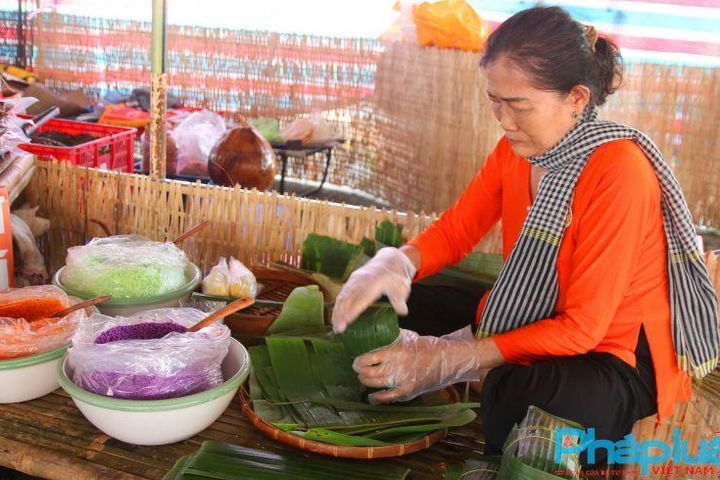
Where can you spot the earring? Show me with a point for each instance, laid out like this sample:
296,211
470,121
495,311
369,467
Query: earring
575,114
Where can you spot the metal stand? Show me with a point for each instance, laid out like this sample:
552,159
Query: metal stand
284,151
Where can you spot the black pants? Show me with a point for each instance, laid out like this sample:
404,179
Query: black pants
596,390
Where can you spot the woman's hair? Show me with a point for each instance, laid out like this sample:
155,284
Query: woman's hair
555,51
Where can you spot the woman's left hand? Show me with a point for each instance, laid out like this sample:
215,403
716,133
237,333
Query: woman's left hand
415,365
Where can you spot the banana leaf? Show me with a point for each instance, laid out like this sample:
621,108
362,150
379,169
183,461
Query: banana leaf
474,468
312,414
306,384
267,410
389,234
331,383
355,263
480,263
263,390
337,438
414,408
368,246
474,273
294,376
512,468
303,311
529,450
376,327
329,256
335,370
458,419
311,378
222,461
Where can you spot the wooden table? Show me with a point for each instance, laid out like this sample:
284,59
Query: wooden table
50,438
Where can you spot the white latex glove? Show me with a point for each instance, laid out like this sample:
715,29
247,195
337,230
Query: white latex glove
389,272
416,365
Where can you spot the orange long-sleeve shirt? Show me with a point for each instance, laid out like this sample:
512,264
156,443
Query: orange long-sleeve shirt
611,265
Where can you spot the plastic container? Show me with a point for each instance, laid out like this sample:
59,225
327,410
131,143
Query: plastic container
112,150
160,422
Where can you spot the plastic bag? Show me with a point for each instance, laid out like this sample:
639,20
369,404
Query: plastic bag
124,266
230,279
12,133
25,328
195,136
217,281
313,130
31,263
133,363
242,281
450,24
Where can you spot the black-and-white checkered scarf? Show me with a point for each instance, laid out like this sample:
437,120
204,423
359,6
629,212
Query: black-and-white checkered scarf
527,288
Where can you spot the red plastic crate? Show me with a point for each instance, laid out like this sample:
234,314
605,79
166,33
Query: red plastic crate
113,149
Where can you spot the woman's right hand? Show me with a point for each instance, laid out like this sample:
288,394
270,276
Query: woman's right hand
389,272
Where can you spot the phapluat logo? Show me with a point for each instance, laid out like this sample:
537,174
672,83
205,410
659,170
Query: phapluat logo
651,455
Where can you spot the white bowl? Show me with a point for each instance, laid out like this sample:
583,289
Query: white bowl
28,378
159,422
124,307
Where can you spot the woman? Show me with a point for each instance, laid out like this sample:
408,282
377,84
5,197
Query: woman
603,310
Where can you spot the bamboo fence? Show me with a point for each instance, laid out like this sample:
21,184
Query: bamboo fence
255,227
416,119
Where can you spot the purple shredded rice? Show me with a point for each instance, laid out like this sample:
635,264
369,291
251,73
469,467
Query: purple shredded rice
139,386
148,386
138,331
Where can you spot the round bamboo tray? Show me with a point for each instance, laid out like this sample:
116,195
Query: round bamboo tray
360,453
276,285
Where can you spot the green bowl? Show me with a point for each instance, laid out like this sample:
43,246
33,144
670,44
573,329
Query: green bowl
127,306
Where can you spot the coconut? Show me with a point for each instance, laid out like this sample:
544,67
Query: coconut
242,157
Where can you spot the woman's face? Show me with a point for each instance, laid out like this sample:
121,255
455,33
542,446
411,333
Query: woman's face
534,120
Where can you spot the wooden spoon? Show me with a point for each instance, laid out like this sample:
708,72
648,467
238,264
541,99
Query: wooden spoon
79,306
190,232
233,307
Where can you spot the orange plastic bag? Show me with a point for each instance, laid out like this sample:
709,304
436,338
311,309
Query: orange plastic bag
450,24
25,328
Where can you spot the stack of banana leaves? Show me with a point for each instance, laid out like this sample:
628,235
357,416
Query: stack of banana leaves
222,461
332,260
302,381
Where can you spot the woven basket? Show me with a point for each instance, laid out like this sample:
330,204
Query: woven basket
362,453
276,285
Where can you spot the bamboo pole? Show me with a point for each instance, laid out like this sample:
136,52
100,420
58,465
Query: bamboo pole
158,90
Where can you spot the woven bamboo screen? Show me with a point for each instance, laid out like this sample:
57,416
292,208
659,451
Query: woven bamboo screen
255,227
417,120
